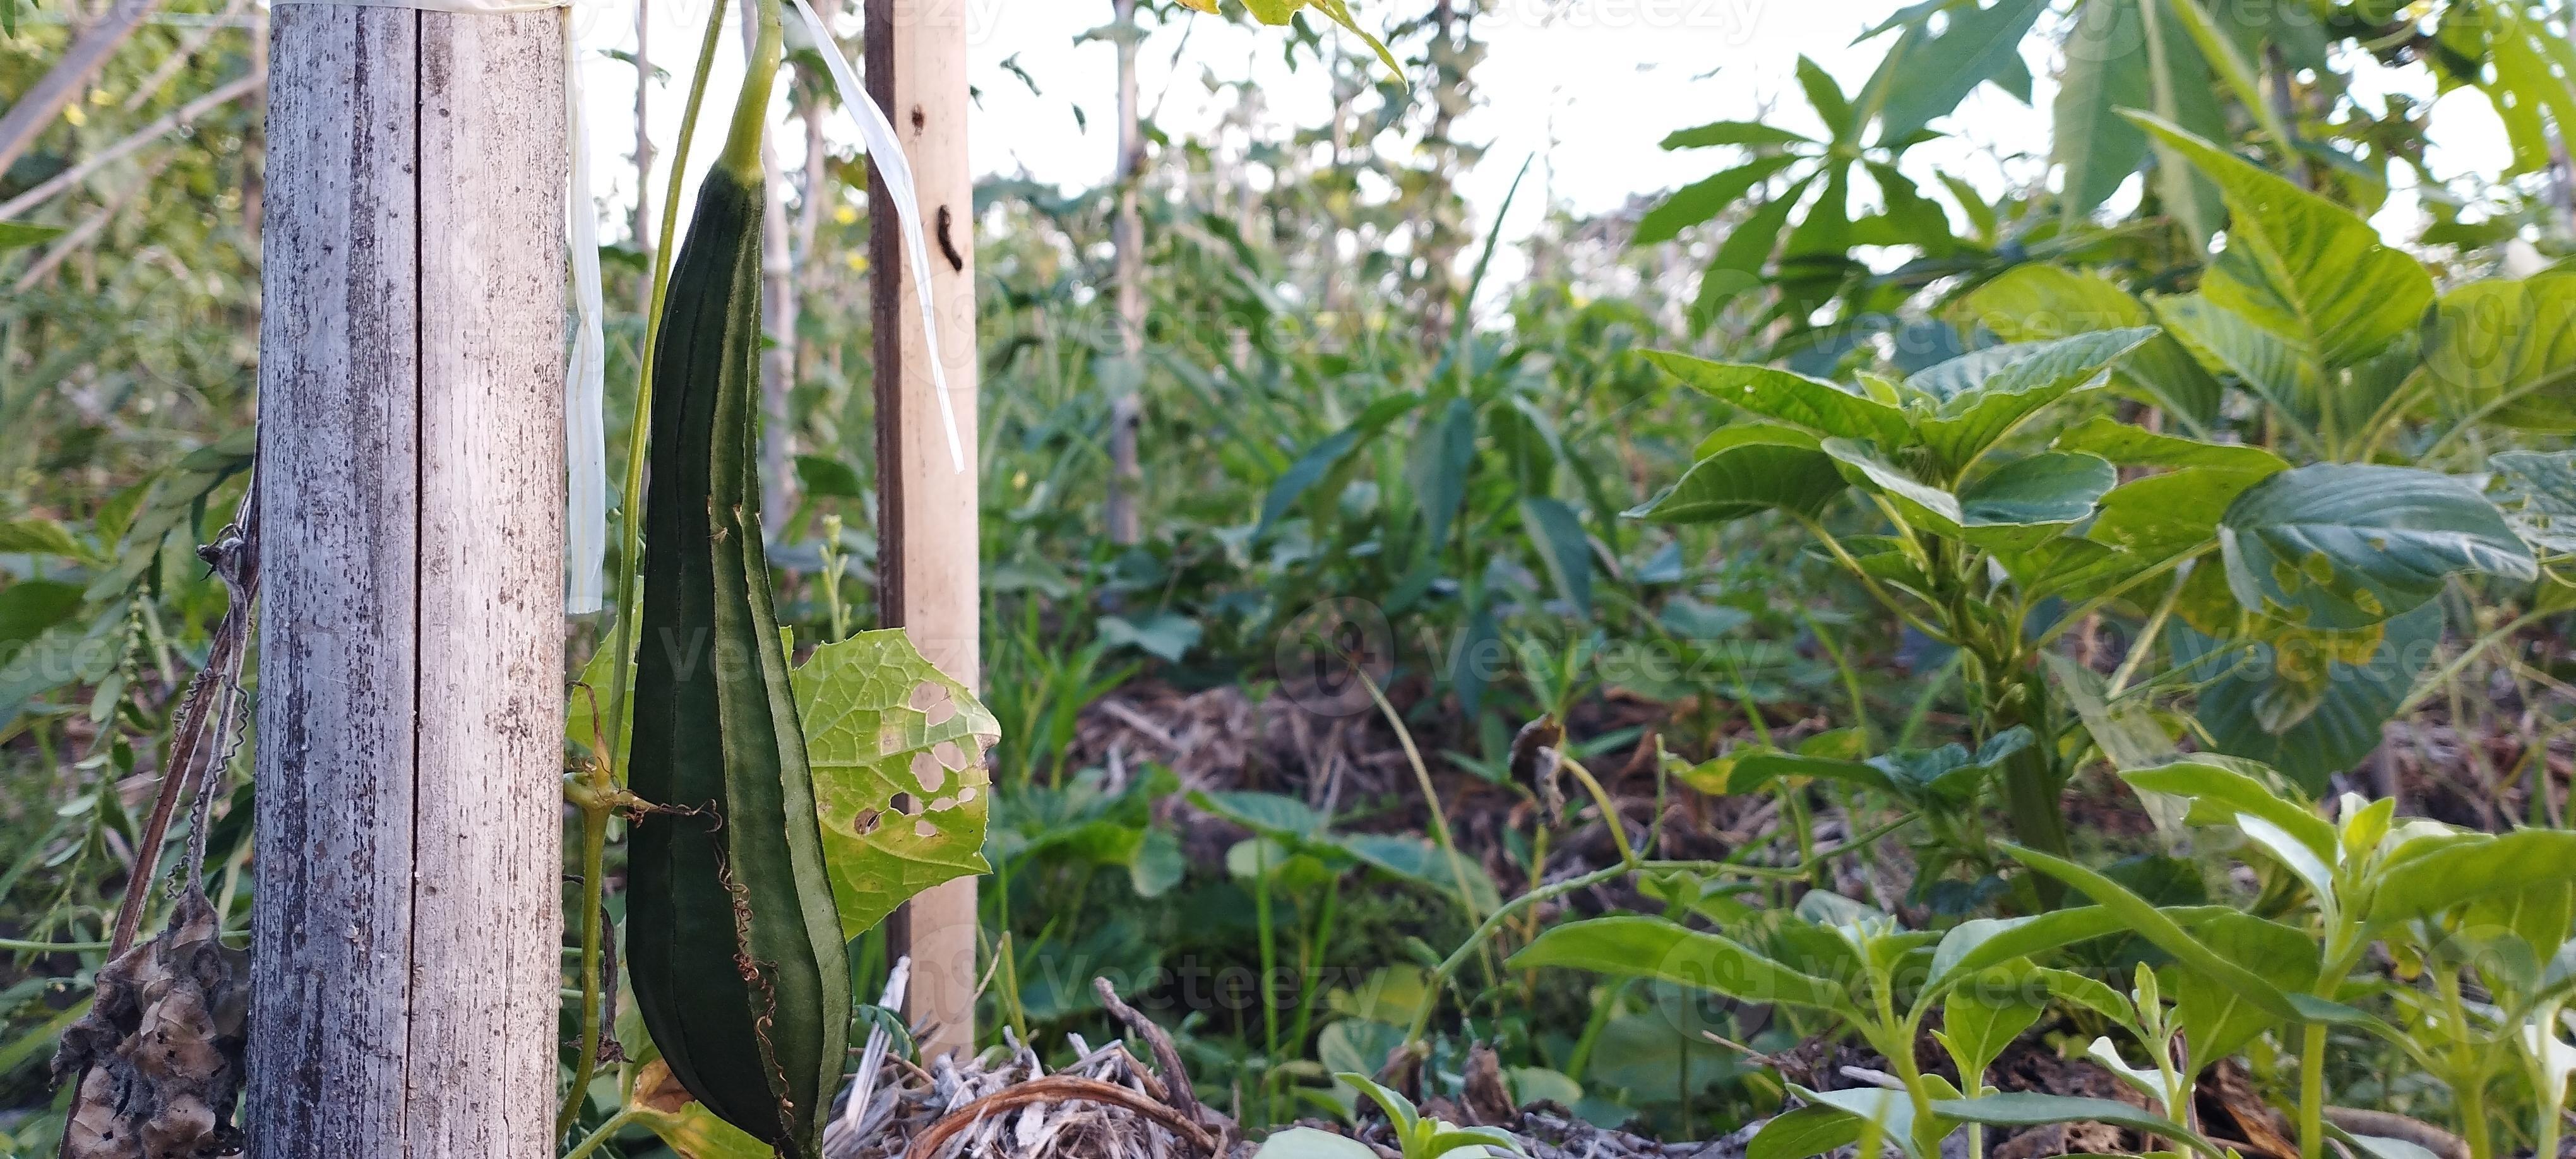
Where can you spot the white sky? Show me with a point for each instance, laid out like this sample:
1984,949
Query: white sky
1586,86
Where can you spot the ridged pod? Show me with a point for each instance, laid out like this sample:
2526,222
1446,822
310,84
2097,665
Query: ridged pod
733,944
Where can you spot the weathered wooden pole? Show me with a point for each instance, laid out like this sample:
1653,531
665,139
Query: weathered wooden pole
928,573
405,933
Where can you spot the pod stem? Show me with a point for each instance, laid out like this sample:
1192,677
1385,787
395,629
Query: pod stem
741,156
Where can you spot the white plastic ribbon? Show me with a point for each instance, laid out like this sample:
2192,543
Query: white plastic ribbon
877,138
586,377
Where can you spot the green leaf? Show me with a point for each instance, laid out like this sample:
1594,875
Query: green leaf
2322,278
2217,1018
1948,775
2031,303
1804,1132
37,536
2219,791
1698,202
1309,1143
1985,395
1984,943
823,475
2159,930
2508,349
2225,342
2464,872
1443,455
1748,769
1641,947
1893,1111
1270,814
1563,547
2034,1110
2106,70
1984,1015
2032,499
1732,133
2130,445
882,723
1976,45
1423,862
2343,546
2344,699
19,235
1319,460
1763,467
1740,260
29,607
1810,404
2091,994
2537,493
685,1125
1828,100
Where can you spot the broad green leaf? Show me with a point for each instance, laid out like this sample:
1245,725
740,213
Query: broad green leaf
2463,872
1893,1111
1828,100
2091,994
1438,467
2344,699
1763,468
1640,947
29,607
1270,814
1419,860
2217,1017
1985,1015
1309,1143
2033,1110
2344,546
1732,133
897,749
19,235
1557,532
2036,497
1983,943
2219,791
1984,396
2326,282
1810,404
2130,445
1705,199
2507,350
1319,459
2537,493
39,537
1948,774
2226,342
2031,303
1804,1132
2159,930
2127,732
1740,260
1935,72
2106,70
1750,768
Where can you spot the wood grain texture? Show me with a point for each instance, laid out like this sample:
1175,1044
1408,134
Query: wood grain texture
930,575
405,923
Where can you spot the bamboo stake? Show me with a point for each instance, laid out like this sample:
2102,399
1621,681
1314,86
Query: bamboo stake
928,574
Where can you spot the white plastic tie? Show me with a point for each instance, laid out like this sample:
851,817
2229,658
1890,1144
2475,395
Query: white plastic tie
877,138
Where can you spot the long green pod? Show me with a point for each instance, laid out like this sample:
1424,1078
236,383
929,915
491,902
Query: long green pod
735,950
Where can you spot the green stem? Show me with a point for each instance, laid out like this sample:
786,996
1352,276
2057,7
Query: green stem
1431,795
618,1121
2312,1092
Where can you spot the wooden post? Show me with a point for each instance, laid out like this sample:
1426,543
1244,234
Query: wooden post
928,572
407,917
1127,407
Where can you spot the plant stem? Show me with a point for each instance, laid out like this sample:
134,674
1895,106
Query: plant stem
618,1121
1431,795
2312,1092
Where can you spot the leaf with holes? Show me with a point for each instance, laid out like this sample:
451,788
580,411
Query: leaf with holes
899,773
